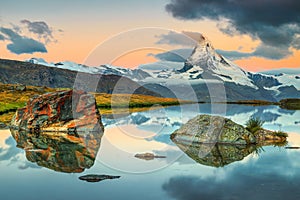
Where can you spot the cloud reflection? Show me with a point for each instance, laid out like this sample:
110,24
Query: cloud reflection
274,175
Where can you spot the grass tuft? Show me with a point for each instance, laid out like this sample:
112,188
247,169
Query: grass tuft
280,134
254,124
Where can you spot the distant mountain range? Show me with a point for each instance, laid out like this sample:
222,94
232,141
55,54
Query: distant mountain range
27,73
201,77
278,72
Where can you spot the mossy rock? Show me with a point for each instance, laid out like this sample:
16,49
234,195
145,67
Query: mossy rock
214,129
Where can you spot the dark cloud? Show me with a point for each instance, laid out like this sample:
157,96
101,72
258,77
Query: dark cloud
263,51
40,28
22,44
275,22
2,37
271,52
177,55
180,55
269,186
296,42
185,38
234,55
191,39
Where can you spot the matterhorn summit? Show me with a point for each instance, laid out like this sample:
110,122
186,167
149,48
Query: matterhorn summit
206,63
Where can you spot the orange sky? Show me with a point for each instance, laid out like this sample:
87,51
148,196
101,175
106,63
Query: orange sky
86,26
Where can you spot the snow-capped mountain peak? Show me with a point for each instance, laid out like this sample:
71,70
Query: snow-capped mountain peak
209,63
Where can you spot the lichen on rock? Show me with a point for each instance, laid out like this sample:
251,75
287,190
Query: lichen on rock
62,111
214,129
217,141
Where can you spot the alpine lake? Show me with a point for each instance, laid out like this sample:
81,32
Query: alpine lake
264,172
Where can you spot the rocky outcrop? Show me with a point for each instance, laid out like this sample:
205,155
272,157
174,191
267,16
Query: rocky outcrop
213,129
61,131
26,73
97,178
217,141
147,156
66,111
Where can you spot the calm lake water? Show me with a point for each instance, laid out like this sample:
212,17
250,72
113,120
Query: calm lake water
270,173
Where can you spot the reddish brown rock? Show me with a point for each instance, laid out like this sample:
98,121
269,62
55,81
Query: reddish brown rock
60,111
61,131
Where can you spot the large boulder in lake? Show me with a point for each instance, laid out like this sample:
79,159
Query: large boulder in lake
209,129
217,141
61,131
65,111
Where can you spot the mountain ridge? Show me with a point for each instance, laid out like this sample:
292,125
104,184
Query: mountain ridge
204,71
18,72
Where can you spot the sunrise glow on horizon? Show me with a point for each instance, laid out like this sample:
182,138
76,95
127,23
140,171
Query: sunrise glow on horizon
73,30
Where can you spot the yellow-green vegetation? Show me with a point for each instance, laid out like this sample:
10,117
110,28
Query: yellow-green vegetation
8,107
13,97
253,102
16,96
121,111
280,134
290,104
6,118
132,101
254,124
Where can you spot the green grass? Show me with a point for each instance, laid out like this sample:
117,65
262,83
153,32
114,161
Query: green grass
12,99
10,107
108,101
254,124
280,134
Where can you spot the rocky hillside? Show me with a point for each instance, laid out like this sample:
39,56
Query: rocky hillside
17,72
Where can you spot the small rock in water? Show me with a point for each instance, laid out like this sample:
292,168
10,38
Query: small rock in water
97,178
147,156
292,147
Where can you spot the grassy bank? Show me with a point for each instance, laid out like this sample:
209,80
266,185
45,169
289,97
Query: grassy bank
253,102
290,104
132,101
16,96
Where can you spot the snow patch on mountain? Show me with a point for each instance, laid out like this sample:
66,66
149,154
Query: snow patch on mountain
135,74
288,80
